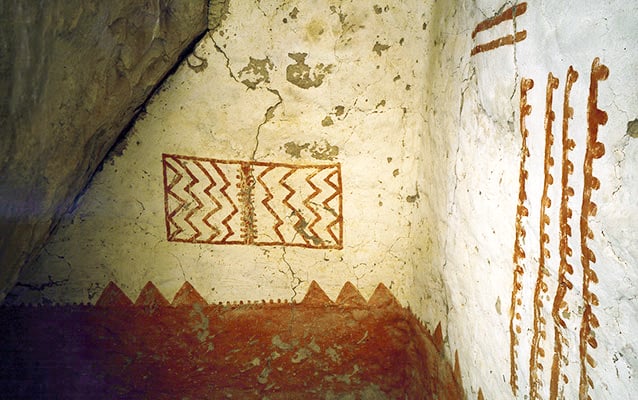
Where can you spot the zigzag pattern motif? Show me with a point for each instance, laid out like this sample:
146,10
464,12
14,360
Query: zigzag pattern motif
259,203
197,210
151,297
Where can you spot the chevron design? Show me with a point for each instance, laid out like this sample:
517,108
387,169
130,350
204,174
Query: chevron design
239,202
151,297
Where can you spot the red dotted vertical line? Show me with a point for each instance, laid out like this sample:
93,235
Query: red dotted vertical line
246,186
595,149
539,333
519,253
560,307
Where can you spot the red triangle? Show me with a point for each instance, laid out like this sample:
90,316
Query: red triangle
350,296
382,297
437,339
315,295
187,295
151,296
457,368
113,296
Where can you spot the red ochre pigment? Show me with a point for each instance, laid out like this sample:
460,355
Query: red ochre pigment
188,349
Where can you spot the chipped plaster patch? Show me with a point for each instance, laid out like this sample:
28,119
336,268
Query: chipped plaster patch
301,75
327,121
280,344
256,72
318,150
379,48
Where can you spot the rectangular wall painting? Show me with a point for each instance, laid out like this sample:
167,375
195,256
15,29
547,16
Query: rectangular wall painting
210,201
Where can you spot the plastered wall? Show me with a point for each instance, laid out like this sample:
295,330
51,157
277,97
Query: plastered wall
281,151
537,104
396,143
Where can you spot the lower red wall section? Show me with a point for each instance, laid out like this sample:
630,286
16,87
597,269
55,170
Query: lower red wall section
188,349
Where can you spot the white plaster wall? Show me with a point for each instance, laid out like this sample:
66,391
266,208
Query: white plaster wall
367,62
475,101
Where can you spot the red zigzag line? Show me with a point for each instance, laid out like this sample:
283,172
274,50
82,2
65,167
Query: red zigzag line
182,202
235,209
213,199
194,181
292,191
266,204
307,203
327,206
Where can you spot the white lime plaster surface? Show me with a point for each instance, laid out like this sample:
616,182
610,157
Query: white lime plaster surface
473,142
235,99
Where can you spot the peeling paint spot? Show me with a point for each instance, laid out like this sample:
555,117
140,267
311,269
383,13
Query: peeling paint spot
300,355
378,9
263,376
395,173
293,14
256,72
301,75
632,128
345,378
498,305
201,328
319,151
413,198
379,48
314,346
334,356
339,110
327,121
381,104
280,344
294,149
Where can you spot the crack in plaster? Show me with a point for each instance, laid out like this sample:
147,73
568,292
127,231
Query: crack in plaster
50,283
42,286
295,281
179,263
268,115
223,53
270,111
611,248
